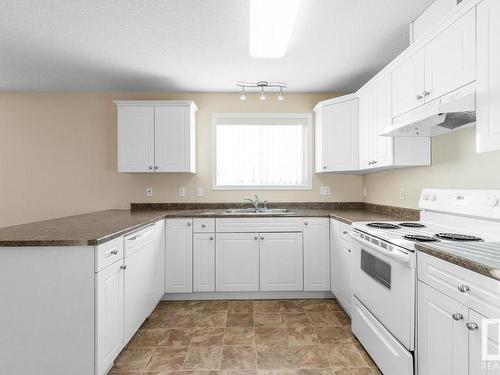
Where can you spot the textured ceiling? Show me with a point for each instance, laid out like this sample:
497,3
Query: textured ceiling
193,45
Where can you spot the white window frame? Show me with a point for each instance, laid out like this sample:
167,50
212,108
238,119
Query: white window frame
307,117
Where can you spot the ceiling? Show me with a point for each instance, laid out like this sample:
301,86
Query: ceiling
193,45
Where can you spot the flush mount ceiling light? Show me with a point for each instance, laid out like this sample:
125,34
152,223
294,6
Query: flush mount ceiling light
271,23
262,85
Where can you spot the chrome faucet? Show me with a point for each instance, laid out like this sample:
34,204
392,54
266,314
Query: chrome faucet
255,202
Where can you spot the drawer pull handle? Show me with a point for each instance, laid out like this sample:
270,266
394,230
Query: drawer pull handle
463,288
457,316
123,267
345,233
471,326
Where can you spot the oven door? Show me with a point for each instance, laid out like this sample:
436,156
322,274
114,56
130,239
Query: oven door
383,280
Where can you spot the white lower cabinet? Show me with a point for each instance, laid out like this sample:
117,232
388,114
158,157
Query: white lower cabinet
281,262
109,316
204,262
179,256
316,254
340,248
159,270
477,365
442,340
237,262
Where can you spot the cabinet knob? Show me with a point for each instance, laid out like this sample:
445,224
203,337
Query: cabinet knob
345,232
123,267
256,238
150,167
375,162
211,238
306,223
457,316
463,288
324,166
426,93
156,167
114,252
419,97
203,225
471,326
189,223
262,238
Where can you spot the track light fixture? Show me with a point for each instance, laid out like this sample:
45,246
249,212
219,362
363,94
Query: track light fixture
262,85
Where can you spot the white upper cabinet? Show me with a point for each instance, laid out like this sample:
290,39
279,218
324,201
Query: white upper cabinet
488,77
445,64
377,152
336,127
450,58
408,84
136,126
156,136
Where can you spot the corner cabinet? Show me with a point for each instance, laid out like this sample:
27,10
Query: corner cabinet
376,152
156,136
336,128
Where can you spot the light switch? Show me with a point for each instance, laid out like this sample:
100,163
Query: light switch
200,191
324,190
402,193
149,192
365,192
182,192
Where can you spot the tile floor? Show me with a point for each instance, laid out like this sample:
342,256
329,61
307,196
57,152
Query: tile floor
265,337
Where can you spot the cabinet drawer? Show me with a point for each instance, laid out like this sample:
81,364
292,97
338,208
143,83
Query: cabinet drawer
479,293
265,224
204,225
108,253
345,232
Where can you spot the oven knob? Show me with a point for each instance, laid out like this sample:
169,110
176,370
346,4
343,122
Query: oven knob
432,197
492,201
425,197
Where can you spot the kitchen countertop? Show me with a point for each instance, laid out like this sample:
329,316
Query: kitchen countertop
480,257
99,227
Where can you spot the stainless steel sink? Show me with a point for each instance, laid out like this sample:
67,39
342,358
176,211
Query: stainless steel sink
258,211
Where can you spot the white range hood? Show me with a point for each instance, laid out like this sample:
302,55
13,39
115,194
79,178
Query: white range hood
437,117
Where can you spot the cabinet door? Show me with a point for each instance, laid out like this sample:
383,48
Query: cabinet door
281,262
450,58
382,119
316,254
109,316
490,346
334,244
173,139
488,76
179,256
340,136
159,270
408,84
237,262
366,119
442,340
204,262
135,138
343,274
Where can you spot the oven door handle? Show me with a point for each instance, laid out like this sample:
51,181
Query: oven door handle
397,256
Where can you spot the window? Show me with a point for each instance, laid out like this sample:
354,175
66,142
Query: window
262,151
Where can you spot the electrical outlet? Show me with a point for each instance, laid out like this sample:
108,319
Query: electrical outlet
324,190
200,191
365,192
182,192
149,192
402,193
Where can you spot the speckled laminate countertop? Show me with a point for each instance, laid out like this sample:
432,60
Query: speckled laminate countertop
480,257
99,227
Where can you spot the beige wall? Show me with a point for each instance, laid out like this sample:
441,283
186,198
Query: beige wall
58,155
455,164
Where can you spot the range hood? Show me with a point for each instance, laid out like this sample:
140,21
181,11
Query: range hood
440,116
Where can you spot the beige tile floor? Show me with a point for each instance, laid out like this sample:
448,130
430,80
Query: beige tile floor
290,337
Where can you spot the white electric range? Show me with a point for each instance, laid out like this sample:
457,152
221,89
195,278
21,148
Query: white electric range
383,262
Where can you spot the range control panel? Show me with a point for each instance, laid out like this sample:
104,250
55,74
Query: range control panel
473,202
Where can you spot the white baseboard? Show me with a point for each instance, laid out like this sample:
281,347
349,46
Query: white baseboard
244,295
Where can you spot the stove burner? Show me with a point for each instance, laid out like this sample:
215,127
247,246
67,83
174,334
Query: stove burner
383,226
457,237
420,238
412,225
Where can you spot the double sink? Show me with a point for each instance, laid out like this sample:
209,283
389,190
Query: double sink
258,211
